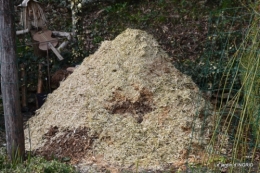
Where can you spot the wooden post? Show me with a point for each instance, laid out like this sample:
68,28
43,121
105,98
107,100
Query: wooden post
39,87
9,83
23,87
40,82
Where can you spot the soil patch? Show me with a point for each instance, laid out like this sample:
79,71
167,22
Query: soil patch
69,145
120,104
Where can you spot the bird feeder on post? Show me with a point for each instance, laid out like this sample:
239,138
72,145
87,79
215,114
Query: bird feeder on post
33,19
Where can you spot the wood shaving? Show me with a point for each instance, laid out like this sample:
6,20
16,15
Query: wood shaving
127,73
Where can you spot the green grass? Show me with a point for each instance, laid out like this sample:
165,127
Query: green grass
33,165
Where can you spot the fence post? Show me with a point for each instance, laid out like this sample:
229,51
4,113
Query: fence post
9,83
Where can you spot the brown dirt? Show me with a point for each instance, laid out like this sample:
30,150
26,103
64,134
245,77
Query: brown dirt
59,76
120,104
71,145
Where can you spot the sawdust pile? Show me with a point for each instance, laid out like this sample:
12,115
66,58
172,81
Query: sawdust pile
131,98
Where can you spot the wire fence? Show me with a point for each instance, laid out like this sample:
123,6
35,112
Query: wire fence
234,143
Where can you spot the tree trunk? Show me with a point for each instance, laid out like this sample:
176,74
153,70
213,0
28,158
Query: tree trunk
9,83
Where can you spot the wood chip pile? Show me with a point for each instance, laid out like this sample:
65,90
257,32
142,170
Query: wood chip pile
140,108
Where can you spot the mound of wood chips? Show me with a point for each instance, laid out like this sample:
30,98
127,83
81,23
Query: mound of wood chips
138,106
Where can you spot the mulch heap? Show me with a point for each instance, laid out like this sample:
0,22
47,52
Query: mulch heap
126,105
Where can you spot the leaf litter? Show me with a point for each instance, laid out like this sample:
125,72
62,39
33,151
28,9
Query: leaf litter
132,104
